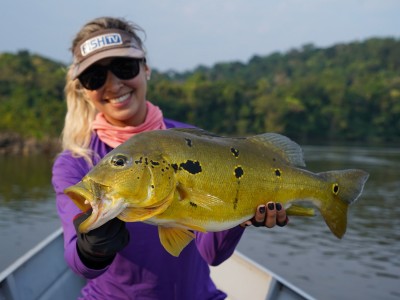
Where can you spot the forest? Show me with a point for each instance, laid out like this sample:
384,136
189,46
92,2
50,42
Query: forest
343,93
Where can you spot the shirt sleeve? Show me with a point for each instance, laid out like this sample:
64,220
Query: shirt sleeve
216,247
68,171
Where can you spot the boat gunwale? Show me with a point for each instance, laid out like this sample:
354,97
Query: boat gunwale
28,255
7,273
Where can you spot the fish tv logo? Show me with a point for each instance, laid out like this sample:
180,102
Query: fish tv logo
99,42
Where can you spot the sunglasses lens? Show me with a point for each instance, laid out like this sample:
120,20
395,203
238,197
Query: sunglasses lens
125,68
94,77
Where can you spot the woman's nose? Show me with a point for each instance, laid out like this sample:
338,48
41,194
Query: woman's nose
112,81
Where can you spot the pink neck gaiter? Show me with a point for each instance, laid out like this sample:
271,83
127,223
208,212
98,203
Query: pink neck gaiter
114,136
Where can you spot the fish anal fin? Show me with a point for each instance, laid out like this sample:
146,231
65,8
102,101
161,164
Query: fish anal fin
174,240
296,210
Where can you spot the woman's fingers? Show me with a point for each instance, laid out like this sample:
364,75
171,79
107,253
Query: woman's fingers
269,215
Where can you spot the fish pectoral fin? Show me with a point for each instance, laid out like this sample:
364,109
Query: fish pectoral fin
137,214
133,215
198,198
174,240
206,201
296,210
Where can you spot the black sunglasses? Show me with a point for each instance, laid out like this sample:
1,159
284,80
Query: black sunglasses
124,68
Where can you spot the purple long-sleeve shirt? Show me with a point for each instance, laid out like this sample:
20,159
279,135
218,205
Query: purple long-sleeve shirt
143,269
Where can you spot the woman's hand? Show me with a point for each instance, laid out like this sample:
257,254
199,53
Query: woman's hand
268,215
98,247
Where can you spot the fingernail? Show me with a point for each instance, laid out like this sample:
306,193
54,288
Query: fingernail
278,206
271,206
261,209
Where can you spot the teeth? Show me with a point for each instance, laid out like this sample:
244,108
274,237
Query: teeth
119,99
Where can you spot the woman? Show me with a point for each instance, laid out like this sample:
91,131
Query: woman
106,99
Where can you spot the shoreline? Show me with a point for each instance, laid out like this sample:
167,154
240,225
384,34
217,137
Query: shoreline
15,144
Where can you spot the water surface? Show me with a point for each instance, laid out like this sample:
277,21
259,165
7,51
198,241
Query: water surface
365,264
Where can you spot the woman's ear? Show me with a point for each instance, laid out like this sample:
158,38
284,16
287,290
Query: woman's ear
148,71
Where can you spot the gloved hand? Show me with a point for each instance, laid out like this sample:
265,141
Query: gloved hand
98,247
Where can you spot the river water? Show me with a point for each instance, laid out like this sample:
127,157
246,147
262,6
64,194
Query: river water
364,264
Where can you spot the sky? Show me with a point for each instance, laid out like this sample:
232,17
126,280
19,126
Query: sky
184,34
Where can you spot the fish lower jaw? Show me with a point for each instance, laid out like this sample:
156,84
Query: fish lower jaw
101,215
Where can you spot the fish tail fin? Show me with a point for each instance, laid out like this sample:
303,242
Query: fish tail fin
347,186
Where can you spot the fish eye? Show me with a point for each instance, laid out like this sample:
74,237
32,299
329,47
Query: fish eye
119,160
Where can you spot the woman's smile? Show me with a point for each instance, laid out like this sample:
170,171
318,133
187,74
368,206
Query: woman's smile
121,99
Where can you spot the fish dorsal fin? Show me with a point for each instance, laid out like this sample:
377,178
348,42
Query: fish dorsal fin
195,131
283,146
174,240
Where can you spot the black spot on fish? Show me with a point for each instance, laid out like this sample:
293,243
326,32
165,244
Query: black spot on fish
152,186
175,167
239,172
139,161
236,200
154,163
146,161
193,167
235,152
278,172
188,142
192,204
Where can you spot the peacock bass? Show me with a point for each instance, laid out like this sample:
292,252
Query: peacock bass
186,180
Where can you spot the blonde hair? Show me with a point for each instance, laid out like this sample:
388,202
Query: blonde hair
81,112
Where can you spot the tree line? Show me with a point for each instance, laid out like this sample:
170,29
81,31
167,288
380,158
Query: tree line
346,92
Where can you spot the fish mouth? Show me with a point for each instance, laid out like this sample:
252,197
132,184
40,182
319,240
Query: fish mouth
80,195
87,196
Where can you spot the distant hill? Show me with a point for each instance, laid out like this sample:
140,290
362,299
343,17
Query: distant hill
31,95
347,92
